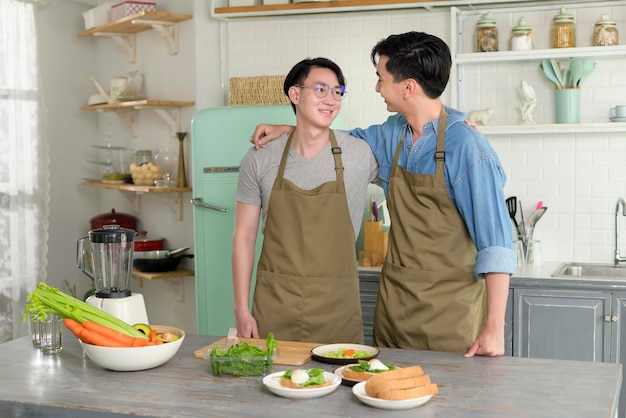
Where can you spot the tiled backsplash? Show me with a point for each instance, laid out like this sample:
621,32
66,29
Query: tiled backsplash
578,176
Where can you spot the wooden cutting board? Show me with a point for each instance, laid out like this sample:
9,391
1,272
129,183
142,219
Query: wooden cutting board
290,353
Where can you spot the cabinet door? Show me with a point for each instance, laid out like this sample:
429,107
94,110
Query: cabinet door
219,141
562,325
508,326
618,332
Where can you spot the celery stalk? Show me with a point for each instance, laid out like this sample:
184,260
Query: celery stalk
47,298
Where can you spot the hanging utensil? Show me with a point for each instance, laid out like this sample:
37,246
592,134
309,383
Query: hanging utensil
549,72
536,215
588,67
557,72
575,72
511,205
532,221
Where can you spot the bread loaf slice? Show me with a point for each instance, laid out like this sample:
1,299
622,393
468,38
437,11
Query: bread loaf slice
377,383
410,393
407,383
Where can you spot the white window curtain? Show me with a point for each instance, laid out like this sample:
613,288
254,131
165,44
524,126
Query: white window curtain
24,184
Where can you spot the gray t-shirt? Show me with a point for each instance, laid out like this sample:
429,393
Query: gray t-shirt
259,169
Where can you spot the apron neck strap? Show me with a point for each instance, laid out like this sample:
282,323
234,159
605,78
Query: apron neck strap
440,155
441,134
335,149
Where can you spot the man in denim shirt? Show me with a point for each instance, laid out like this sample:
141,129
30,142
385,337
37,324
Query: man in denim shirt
445,280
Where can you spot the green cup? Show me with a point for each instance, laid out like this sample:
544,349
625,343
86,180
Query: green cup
567,105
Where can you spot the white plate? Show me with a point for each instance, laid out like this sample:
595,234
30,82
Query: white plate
344,380
359,392
618,119
272,382
319,352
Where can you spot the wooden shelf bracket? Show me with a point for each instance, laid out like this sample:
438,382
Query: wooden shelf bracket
171,116
176,283
167,30
134,198
128,43
130,118
175,206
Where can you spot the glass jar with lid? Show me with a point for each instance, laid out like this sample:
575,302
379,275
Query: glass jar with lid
486,34
143,156
605,32
563,30
522,36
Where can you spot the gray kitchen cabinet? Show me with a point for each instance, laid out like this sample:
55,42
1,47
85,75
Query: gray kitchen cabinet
561,324
570,325
508,326
369,283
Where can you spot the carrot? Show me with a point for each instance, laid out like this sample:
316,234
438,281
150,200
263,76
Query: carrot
124,339
95,338
348,352
152,337
140,342
73,326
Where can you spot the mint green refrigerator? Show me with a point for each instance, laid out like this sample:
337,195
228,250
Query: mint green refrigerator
219,139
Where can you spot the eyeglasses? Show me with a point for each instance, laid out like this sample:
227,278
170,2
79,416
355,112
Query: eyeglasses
321,90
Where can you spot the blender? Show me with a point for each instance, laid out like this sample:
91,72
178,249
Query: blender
106,256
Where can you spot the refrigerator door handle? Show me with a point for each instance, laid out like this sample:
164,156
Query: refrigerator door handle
197,201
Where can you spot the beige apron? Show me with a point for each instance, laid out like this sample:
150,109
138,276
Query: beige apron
307,285
428,298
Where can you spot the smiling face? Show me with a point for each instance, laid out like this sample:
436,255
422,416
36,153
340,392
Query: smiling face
310,109
391,91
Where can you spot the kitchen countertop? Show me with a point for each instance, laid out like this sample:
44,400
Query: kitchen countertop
69,385
538,276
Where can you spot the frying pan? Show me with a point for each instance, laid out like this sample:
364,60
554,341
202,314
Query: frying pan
153,265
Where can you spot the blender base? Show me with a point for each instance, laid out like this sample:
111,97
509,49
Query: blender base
131,309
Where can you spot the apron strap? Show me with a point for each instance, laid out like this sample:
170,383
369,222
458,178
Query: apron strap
335,149
440,155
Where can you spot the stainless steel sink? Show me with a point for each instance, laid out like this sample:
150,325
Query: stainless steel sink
590,270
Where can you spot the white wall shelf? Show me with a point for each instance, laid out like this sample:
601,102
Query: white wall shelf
127,111
124,31
338,6
175,279
557,128
540,54
134,194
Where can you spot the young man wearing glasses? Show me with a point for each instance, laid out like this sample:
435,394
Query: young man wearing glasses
308,188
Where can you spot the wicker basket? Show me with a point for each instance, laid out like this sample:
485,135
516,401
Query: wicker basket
259,90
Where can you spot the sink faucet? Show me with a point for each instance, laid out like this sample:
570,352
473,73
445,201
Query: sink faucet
622,203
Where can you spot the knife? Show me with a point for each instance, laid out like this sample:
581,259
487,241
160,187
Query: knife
231,338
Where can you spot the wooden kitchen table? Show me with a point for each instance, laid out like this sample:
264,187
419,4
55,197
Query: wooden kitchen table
69,385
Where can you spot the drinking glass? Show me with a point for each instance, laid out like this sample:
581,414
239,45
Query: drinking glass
52,334
35,331
533,253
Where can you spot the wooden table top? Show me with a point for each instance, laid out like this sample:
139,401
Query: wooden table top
70,385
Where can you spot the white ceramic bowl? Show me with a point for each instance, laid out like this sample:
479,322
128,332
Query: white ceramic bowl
126,359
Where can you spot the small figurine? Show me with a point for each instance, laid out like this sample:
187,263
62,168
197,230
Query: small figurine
480,116
528,103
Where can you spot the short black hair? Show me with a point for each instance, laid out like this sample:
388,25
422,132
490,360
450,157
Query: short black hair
417,55
300,72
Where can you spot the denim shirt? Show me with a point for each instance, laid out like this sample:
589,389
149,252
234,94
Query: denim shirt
473,175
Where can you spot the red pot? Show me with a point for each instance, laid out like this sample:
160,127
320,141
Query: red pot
143,242
113,218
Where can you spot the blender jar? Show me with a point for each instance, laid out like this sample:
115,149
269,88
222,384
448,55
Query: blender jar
112,257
